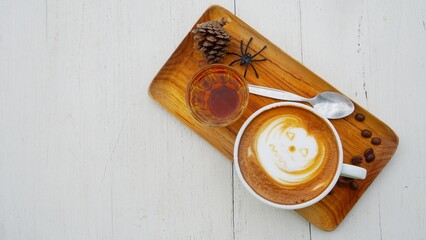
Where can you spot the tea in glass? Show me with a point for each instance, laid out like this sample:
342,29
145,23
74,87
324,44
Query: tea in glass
217,95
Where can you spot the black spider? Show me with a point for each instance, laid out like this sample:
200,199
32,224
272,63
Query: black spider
246,58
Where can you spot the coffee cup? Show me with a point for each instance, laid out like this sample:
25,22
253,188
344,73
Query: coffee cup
289,156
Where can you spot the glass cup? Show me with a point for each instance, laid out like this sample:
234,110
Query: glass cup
217,95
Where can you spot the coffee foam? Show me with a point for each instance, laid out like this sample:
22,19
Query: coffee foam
287,152
287,155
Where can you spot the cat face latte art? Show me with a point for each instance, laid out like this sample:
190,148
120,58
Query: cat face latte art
287,151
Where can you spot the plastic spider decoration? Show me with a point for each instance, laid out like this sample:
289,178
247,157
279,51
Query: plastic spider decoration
246,58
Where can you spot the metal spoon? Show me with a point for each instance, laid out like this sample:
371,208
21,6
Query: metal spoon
331,105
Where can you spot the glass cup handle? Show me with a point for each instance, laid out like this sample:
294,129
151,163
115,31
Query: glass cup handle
354,172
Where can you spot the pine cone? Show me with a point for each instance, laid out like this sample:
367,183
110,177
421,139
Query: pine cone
212,40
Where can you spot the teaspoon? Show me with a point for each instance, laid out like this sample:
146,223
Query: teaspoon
331,105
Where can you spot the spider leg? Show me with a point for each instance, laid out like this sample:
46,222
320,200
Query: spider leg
236,60
257,75
259,60
241,47
248,43
234,54
258,52
245,71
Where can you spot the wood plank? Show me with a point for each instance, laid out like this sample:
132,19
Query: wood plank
78,132
373,54
171,173
168,89
336,46
84,152
253,219
398,69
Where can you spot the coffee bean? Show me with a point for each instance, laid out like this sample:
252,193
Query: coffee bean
376,141
368,151
360,117
342,183
353,185
366,133
370,157
356,160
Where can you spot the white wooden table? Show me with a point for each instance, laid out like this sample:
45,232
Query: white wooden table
86,154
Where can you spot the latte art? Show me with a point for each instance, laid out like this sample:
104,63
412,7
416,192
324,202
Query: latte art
287,152
288,155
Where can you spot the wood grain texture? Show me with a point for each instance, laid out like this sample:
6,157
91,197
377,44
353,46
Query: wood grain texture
283,72
85,153
253,219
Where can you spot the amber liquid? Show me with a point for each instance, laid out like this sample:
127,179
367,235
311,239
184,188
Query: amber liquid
217,95
223,101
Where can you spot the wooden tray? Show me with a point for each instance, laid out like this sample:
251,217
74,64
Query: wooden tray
283,72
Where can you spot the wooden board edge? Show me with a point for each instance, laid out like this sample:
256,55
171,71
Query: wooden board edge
151,93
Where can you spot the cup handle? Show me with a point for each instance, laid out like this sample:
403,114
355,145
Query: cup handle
354,172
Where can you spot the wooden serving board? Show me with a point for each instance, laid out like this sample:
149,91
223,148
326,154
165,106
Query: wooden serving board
283,72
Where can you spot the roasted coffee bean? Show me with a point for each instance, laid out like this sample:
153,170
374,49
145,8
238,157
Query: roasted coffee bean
342,183
376,141
368,151
370,157
360,117
353,185
356,160
366,133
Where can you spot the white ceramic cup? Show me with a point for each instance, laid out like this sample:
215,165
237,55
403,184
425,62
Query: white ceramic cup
343,169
